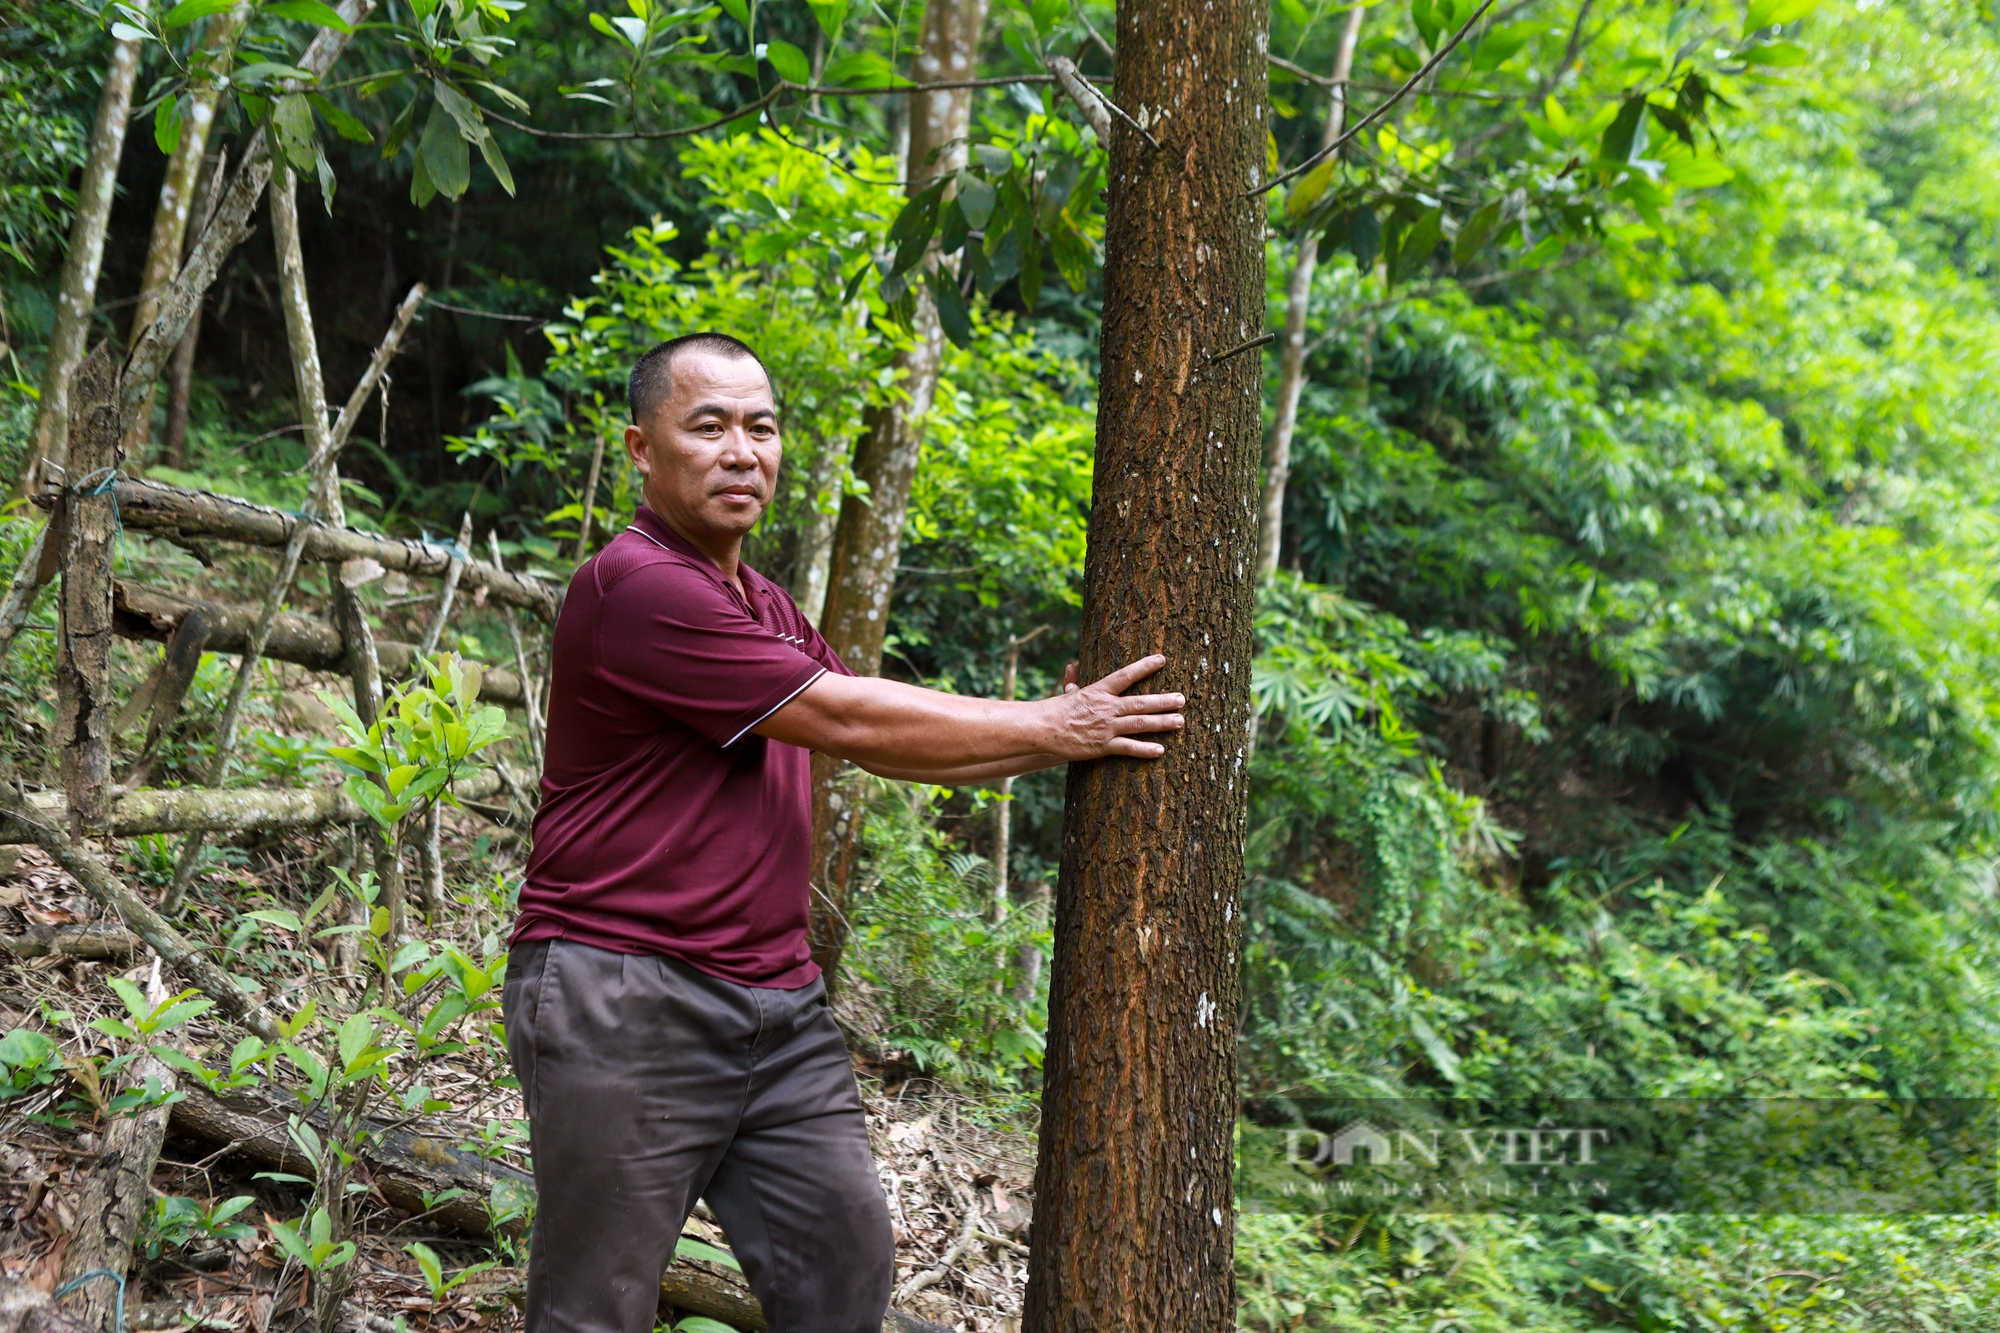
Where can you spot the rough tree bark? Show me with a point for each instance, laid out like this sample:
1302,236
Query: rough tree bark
76,296
180,371
177,197
84,637
1298,302
869,535
115,1197
1134,1217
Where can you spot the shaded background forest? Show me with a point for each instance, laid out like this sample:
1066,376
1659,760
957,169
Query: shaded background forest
1627,704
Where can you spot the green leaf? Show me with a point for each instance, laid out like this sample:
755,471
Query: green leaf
444,154
125,32
1307,189
1626,137
1777,54
1698,173
355,1034
134,999
460,108
346,126
862,69
952,314
310,11
1472,237
489,148
830,14
605,26
1772,13
701,1323
187,11
975,199
689,1248
167,125
738,10
427,1261
789,61
1502,44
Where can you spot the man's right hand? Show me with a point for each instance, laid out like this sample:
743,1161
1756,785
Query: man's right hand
1098,720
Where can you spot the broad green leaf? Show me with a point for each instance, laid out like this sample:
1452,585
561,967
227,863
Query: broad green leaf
309,11
355,1035
133,998
346,126
862,69
445,157
1698,173
167,125
953,317
738,10
496,162
187,11
789,61
277,916
1308,189
829,14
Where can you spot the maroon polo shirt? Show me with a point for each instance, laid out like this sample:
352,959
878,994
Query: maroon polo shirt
666,826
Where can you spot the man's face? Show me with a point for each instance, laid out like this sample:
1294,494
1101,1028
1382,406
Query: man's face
710,452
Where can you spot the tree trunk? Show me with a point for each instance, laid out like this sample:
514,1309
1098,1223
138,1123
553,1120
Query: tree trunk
90,536
869,536
231,224
76,298
177,195
115,1197
1298,301
1133,1202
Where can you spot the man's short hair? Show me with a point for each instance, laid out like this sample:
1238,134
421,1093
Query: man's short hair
651,382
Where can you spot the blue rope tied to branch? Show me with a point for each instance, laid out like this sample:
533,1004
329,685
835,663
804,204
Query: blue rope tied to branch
118,1313
104,481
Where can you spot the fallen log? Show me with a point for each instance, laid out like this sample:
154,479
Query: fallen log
103,943
150,506
148,613
208,810
406,1167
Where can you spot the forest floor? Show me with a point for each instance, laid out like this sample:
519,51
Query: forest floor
958,1180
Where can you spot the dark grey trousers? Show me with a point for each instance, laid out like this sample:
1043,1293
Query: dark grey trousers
650,1084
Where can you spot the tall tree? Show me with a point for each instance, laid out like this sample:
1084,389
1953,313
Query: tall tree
869,536
177,192
1134,1219
76,298
1298,302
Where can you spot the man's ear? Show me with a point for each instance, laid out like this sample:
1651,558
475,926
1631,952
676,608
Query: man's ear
635,447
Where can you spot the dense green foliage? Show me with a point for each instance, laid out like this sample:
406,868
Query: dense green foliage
1628,719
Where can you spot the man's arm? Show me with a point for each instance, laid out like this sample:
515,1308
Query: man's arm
906,731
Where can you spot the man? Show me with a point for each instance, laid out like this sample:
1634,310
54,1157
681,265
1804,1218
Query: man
668,1025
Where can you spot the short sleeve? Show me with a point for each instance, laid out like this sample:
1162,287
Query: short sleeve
671,637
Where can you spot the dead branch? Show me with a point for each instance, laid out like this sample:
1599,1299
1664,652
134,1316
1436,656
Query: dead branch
378,370
442,612
207,810
149,506
142,612
115,1197
531,692
102,884
96,943
83,690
